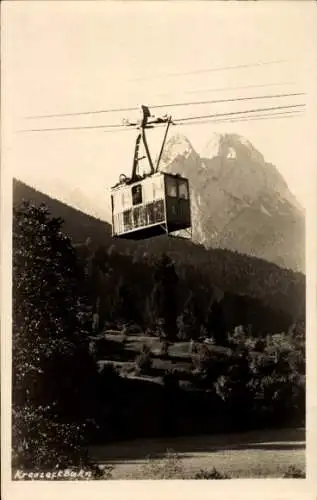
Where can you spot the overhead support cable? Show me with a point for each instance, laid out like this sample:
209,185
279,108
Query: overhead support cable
293,114
177,104
225,89
120,127
211,70
246,111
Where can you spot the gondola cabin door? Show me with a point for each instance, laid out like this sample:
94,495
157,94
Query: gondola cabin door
153,205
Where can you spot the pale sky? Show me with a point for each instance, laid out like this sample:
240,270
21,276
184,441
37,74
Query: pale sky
64,57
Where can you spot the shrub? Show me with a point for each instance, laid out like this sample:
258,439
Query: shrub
181,336
164,348
143,361
210,474
201,359
145,349
149,332
169,467
132,329
180,373
294,472
127,369
102,473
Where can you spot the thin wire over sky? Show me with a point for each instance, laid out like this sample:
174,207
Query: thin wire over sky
237,87
170,105
240,119
210,70
180,121
273,116
230,113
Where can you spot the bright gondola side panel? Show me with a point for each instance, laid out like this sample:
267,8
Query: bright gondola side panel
151,206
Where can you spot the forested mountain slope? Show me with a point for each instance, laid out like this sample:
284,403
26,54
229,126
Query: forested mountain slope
253,291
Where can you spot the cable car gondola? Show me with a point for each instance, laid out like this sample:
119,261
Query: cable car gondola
153,204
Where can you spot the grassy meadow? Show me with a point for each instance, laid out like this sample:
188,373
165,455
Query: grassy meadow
260,454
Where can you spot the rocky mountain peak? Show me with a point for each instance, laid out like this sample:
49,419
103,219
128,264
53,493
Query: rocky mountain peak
239,201
177,145
180,157
231,146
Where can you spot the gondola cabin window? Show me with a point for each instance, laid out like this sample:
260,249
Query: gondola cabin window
137,195
154,205
171,187
183,190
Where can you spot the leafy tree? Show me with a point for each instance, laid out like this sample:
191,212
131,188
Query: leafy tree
143,360
232,387
53,375
165,295
278,378
149,314
188,322
216,325
203,360
127,304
